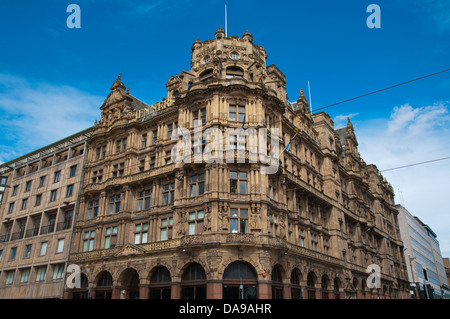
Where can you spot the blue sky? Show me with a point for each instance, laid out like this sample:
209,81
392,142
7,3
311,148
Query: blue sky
53,79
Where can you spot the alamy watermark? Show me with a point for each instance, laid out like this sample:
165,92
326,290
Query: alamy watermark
374,278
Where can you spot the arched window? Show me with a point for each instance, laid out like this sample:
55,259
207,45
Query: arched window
311,283
325,284
296,290
239,281
206,76
160,284
193,282
337,285
277,283
104,286
83,291
234,72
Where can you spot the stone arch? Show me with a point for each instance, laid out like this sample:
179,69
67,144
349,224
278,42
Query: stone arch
103,282
160,282
129,281
240,281
296,280
277,277
193,281
256,266
311,281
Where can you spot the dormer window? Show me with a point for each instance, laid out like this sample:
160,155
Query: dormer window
207,59
234,55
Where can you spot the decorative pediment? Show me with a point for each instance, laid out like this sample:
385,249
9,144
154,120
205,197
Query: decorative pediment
130,250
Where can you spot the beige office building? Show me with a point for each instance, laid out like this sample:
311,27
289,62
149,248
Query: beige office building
37,211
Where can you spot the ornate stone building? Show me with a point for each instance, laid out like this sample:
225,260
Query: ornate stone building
151,227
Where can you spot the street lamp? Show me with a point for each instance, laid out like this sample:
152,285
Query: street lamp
412,274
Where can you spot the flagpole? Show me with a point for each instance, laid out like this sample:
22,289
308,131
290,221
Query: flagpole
309,89
226,27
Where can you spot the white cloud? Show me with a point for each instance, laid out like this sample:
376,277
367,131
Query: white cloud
35,115
412,135
341,120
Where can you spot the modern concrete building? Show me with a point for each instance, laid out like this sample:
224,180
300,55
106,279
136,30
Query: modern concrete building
426,269
37,218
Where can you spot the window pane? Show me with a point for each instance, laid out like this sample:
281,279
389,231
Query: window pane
139,205
243,175
147,203
107,242
244,226
145,226
192,216
137,238
243,187
234,212
192,228
233,174
144,237
201,188
91,245
164,222
193,191
163,234
200,214
233,186
234,225
244,212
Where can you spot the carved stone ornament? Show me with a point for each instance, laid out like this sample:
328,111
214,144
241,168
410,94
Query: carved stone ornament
130,250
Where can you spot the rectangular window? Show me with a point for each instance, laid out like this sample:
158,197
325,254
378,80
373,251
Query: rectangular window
154,136
38,200
111,237
141,233
118,170
11,208
53,194
10,277
57,177
239,220
40,273
273,221
114,204
42,181
237,113
28,186
144,141
43,248
58,272
88,242
69,191
25,275
238,182
314,242
168,194
27,251
24,203
196,222
73,171
13,253
197,185
15,190
60,246
166,228
92,211
144,199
